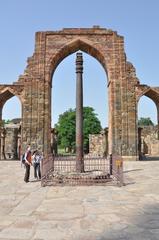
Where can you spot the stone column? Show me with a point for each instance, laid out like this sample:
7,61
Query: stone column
79,114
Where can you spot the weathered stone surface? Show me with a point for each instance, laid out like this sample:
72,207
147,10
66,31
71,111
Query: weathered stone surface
98,143
149,140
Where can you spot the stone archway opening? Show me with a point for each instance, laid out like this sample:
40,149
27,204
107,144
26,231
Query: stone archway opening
80,169
11,121
95,96
107,48
148,142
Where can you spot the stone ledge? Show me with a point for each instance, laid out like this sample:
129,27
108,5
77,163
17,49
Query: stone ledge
131,158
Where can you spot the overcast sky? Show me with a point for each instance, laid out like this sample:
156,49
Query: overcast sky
136,20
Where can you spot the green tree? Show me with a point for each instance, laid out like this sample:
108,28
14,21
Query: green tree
91,125
145,122
4,121
66,128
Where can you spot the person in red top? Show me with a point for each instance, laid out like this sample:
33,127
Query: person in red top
28,163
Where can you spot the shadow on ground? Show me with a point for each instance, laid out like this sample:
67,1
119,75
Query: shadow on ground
149,158
133,170
141,225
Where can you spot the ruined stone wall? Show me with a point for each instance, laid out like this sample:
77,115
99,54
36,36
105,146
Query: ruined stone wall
11,141
149,140
98,143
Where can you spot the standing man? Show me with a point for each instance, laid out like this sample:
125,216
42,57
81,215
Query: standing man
28,163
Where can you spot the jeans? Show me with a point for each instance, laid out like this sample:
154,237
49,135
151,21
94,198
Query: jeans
37,171
27,172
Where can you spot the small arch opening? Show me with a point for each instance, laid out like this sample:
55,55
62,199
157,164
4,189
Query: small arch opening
147,129
10,144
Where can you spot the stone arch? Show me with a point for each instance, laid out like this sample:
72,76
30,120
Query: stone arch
106,46
71,47
150,93
5,94
8,93
153,94
12,135
87,101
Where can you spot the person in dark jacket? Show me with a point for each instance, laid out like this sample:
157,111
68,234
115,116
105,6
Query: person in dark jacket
28,163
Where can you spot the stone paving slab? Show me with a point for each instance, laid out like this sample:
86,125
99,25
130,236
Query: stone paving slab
31,212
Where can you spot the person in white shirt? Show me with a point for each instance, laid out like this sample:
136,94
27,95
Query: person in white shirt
36,159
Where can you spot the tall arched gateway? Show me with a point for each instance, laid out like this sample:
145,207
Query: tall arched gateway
34,86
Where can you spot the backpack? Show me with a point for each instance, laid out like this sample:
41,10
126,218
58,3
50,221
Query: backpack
23,158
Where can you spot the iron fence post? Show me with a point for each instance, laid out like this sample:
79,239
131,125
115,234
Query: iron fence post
111,164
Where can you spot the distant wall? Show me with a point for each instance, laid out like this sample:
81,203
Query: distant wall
149,140
98,144
11,141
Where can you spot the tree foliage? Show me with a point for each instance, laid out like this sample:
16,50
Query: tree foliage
91,125
66,128
4,121
145,122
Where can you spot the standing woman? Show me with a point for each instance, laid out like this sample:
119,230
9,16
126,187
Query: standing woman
37,157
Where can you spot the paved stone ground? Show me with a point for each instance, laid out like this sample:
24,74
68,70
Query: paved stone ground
30,212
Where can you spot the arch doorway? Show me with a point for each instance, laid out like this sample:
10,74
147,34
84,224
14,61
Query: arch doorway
95,96
11,115
148,137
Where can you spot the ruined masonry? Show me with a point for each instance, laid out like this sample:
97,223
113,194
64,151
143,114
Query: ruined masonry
33,88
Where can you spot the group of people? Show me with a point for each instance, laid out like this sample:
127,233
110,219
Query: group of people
32,159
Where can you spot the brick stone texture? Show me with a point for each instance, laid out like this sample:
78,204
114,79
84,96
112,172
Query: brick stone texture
149,141
34,86
98,144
